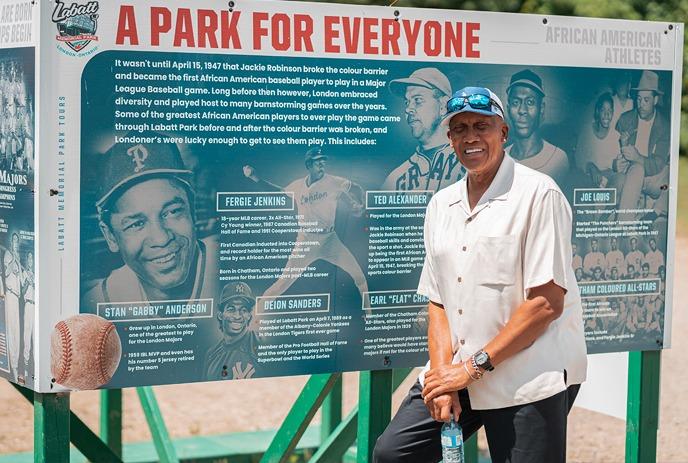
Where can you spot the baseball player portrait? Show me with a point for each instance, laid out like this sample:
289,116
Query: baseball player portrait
12,271
316,197
526,110
16,130
433,165
146,215
643,165
28,286
235,355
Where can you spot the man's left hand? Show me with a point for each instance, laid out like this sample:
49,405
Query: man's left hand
631,153
445,379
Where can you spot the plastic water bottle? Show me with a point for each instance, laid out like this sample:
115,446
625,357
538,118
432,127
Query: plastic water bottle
452,442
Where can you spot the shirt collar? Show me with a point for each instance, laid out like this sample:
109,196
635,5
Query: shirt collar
498,189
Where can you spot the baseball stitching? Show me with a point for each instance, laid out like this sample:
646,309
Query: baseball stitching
103,335
66,340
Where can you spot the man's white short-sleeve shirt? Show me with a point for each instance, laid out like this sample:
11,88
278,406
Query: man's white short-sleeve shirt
480,265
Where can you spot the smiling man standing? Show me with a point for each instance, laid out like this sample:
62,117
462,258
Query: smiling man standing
505,321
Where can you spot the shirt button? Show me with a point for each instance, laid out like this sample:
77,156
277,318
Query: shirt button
469,219
463,248
459,279
462,341
460,311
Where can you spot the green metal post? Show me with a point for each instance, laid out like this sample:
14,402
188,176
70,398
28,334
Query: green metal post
335,445
111,419
642,416
51,428
85,440
374,410
470,449
156,424
331,410
300,415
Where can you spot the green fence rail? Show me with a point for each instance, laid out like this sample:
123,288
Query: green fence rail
337,439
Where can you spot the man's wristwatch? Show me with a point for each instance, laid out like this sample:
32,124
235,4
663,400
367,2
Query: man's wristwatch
481,359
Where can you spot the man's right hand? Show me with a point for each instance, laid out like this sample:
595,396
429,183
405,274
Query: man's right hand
441,407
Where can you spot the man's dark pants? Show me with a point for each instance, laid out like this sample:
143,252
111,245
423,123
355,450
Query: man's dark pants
531,433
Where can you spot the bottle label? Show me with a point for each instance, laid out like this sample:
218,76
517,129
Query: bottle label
449,441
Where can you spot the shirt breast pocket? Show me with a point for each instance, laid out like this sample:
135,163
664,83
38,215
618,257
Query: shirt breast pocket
496,260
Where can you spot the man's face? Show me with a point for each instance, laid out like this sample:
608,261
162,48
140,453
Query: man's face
645,102
235,317
525,108
634,243
579,273
605,113
15,244
614,274
316,168
645,271
593,245
575,249
478,141
653,245
151,226
614,244
597,273
423,111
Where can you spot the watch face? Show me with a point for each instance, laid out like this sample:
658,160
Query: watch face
481,358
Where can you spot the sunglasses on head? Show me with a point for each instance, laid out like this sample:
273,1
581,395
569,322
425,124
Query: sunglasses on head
475,101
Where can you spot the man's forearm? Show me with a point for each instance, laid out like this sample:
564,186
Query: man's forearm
529,322
439,336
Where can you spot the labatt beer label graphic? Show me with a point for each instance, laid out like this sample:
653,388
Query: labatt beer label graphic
76,24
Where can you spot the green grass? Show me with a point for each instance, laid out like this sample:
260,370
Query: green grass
682,222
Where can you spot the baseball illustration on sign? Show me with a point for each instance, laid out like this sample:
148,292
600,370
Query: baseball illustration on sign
85,351
433,165
235,355
316,197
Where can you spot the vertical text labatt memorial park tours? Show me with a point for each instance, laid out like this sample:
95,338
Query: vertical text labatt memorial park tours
231,193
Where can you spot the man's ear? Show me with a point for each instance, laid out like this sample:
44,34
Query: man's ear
109,237
542,110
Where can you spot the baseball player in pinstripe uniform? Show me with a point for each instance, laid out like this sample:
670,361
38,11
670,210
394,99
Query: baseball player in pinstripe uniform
316,197
145,210
433,165
13,271
28,283
235,355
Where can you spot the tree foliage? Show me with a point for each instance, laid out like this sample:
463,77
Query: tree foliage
664,11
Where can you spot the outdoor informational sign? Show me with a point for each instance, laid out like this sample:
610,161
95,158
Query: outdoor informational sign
238,191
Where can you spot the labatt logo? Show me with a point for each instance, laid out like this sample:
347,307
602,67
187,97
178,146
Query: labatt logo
76,24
